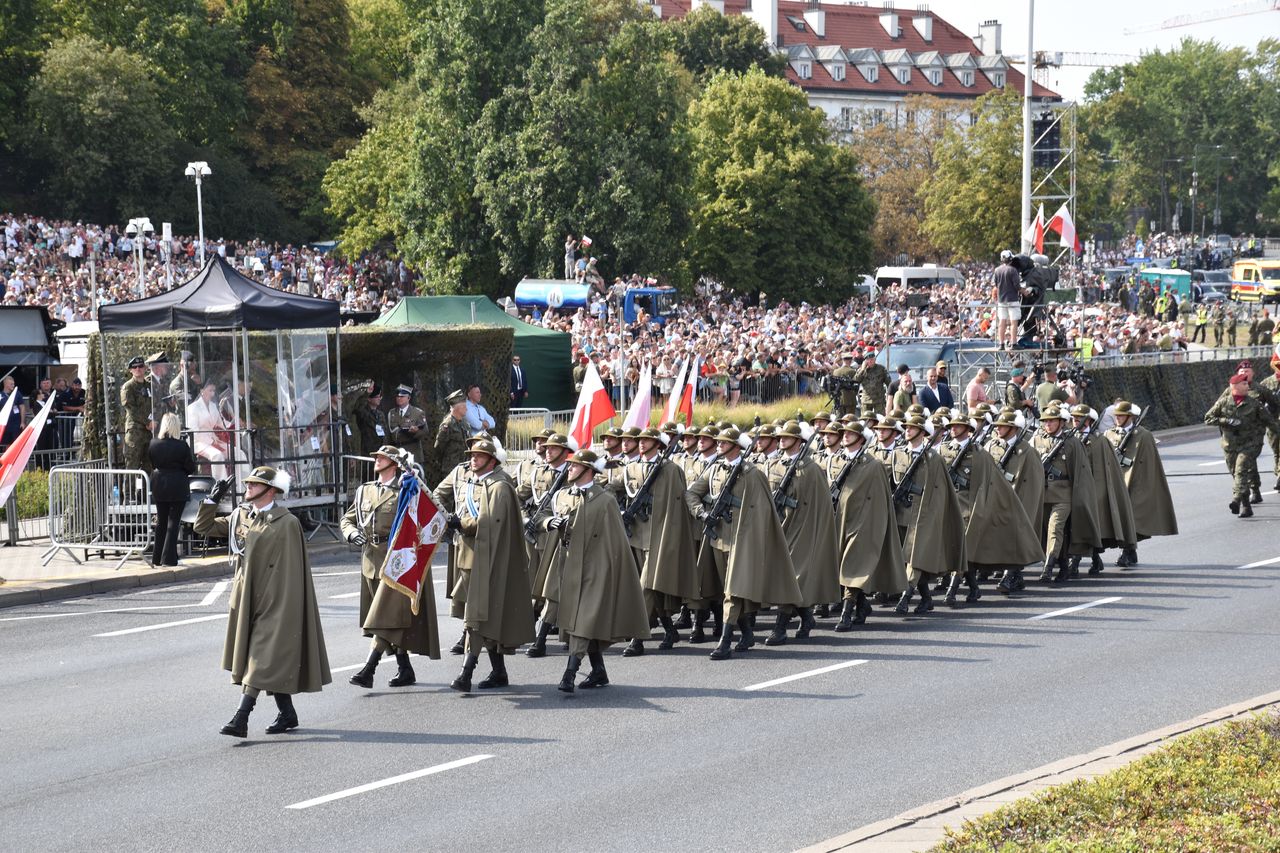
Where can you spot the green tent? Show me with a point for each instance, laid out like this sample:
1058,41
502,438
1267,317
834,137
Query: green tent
545,355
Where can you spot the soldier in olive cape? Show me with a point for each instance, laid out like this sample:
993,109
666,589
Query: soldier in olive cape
1243,420
998,533
452,482
747,557
1139,459
491,594
386,614
274,640
408,425
707,608
451,436
661,537
1020,465
1070,502
593,589
870,549
1114,507
809,527
555,452
135,401
928,516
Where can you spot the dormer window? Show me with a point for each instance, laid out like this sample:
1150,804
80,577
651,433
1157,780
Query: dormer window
870,73
935,76
997,79
903,74
804,69
837,72
966,78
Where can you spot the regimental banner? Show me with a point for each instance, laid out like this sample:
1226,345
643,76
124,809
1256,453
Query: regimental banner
419,525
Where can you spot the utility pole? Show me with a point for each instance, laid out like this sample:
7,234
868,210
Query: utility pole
1026,129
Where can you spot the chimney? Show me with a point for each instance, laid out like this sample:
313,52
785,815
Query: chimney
816,18
988,41
923,22
889,20
765,13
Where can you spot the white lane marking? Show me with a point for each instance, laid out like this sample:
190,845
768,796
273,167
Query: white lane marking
162,625
762,685
346,595
333,574
1214,462
95,612
1260,563
218,588
1067,610
345,668
394,780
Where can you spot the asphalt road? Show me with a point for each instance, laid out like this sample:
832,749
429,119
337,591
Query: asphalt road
109,740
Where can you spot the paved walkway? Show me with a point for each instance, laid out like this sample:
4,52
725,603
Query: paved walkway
923,827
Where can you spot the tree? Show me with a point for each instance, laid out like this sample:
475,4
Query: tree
98,123
973,203
898,159
1141,228
707,41
24,26
594,142
777,206
381,51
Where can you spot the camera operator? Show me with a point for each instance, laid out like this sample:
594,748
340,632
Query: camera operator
1052,388
1007,294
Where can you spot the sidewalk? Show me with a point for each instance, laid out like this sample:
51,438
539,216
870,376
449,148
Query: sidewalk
923,827
26,581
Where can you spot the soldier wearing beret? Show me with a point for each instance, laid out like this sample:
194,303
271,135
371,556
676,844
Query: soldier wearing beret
1243,421
135,401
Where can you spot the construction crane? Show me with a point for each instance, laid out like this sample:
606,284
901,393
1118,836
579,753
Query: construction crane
1044,60
1256,7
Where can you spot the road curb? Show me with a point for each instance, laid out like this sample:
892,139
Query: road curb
873,832
97,586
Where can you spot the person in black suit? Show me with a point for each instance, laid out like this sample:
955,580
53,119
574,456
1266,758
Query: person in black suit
519,383
936,392
172,462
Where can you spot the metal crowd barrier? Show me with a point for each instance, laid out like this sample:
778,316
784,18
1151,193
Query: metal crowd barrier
95,508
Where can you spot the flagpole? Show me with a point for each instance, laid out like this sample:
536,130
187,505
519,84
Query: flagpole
1026,126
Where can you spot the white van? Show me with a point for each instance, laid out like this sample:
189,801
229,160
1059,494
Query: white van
925,276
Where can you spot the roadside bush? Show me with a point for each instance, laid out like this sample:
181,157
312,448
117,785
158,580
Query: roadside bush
32,493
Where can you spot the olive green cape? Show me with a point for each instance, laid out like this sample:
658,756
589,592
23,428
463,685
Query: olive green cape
870,550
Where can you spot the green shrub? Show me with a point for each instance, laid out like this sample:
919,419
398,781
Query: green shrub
32,493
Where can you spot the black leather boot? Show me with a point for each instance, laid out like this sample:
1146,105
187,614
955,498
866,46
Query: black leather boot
971,581
1064,570
822,610
685,619
952,587
597,677
1246,509
364,676
404,671
1073,567
239,725
926,600
634,649
463,682
861,609
846,616
699,634
1256,496
287,718
724,650
904,603
460,646
943,584
1095,567
748,638
883,599
1046,573
1234,506
498,676
717,620
778,636
539,647
1011,582
670,636
807,623
566,681
1131,553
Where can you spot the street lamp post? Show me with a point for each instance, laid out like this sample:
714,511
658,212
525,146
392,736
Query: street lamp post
138,229
197,171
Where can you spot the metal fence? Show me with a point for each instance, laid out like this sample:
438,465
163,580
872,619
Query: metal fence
93,508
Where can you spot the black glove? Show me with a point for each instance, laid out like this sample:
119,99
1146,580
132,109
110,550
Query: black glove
1231,422
357,538
555,523
220,490
453,522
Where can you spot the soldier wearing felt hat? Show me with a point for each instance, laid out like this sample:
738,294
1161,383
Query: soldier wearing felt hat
1114,507
386,614
1069,494
1144,477
533,492
451,436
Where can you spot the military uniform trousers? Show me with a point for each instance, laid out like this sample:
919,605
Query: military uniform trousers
136,442
1243,465
716,560
656,602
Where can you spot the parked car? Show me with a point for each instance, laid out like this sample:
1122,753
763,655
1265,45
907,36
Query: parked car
1215,285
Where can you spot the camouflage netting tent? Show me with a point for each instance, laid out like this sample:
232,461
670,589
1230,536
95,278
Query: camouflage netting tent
1179,394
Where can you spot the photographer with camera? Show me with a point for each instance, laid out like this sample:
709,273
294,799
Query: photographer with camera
1052,388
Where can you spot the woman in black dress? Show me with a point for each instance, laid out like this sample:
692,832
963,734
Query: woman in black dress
173,463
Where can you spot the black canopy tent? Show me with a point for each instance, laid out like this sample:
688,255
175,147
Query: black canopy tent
219,299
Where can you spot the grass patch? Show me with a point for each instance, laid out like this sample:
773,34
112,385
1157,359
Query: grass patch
32,492
1217,789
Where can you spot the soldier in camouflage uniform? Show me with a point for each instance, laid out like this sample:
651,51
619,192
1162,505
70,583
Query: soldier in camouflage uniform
371,421
1243,420
874,380
451,436
846,391
1218,316
1233,321
135,401
1271,385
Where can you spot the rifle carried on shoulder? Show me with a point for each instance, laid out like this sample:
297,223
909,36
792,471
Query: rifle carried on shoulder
641,506
531,526
906,489
838,483
781,500
1052,453
1126,462
722,509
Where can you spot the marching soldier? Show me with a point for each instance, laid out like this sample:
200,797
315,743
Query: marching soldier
888,431
1271,386
1069,495
1139,459
550,478
451,436
744,552
766,446
1020,465
998,533
1263,393
386,614
846,384
874,381
810,529
491,593
611,442
661,536
407,423
135,400
274,639
928,515
1243,421
870,549
830,443
1114,507
371,421
593,589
